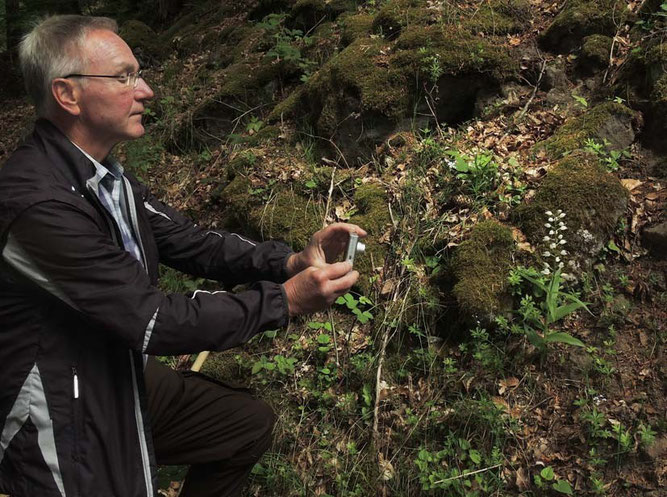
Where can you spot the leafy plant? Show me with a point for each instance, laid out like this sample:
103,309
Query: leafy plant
554,304
357,306
609,159
479,172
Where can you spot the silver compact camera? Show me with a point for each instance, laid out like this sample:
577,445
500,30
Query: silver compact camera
354,246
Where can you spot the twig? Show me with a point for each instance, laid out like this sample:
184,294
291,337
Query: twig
326,209
466,474
537,85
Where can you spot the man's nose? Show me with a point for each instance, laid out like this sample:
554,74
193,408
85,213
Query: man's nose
145,91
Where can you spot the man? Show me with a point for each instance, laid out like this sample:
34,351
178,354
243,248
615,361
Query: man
82,411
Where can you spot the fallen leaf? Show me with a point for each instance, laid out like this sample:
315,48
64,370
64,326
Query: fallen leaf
630,184
522,479
386,468
508,384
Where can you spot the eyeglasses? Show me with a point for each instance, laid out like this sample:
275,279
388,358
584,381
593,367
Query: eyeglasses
129,79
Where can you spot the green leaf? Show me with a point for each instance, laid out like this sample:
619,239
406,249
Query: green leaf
547,473
475,456
612,246
566,309
562,486
323,339
257,367
340,300
311,184
563,338
581,100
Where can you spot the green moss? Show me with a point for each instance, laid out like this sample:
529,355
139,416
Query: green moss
355,26
379,88
373,216
595,51
288,107
397,14
481,265
498,17
458,52
581,18
592,124
592,199
286,216
140,36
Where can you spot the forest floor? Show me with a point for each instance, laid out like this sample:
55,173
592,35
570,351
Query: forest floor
377,399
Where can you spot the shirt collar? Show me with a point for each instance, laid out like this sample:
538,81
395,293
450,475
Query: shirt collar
111,166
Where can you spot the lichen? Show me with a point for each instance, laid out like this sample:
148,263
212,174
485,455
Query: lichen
592,124
581,18
592,199
480,266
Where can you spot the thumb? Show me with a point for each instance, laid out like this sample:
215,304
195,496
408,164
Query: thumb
337,270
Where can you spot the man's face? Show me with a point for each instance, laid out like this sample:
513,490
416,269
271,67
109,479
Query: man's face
111,111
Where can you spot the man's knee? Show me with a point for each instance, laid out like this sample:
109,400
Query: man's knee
262,419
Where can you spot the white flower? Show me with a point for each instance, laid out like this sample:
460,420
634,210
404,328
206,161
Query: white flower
547,225
547,254
563,228
561,215
557,259
560,237
549,213
562,242
552,232
560,265
552,245
563,252
545,271
546,238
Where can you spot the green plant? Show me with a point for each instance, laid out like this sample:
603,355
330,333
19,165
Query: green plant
609,159
288,44
581,101
357,306
554,304
478,173
646,435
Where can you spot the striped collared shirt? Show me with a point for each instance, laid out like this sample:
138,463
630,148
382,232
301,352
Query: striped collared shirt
108,185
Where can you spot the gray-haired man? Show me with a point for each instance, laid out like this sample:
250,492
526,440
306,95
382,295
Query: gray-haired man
83,411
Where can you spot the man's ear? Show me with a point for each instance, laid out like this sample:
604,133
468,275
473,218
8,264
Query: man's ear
66,94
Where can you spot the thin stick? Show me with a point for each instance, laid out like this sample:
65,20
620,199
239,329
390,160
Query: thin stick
326,209
466,474
537,85
199,361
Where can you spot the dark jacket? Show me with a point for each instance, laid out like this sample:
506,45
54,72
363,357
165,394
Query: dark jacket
78,313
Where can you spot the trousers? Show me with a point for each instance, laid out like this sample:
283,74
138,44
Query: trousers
220,431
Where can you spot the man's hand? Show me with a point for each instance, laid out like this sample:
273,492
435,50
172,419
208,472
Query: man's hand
314,289
324,247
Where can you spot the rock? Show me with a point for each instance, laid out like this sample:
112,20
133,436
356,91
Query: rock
658,449
594,53
481,265
578,19
609,122
555,77
592,199
654,238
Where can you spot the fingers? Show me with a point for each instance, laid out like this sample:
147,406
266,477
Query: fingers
341,285
336,270
345,228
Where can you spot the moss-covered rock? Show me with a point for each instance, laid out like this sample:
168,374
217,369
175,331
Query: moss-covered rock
481,266
372,215
595,52
397,14
581,18
354,26
592,199
142,39
609,122
279,214
498,17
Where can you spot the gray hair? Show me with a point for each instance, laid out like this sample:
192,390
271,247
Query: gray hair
53,49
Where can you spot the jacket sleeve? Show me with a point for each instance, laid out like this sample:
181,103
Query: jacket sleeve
60,248
218,255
